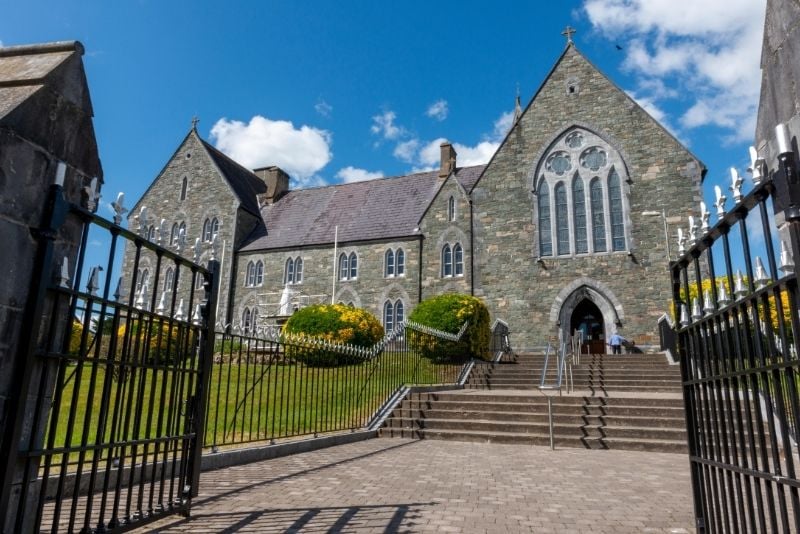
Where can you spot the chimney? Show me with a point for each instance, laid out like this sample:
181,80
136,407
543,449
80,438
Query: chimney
448,164
277,184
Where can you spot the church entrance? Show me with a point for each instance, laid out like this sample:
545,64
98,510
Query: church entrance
588,319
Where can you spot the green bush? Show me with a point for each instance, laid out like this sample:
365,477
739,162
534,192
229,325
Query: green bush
336,323
163,348
448,313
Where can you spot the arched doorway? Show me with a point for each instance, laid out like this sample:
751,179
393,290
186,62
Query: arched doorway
587,318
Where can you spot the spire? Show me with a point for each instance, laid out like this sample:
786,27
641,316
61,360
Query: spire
517,108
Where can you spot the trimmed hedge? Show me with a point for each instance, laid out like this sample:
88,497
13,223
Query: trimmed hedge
337,323
448,313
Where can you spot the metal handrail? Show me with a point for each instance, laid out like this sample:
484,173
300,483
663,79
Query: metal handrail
564,371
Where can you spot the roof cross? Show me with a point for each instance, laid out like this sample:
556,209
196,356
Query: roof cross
568,32
195,120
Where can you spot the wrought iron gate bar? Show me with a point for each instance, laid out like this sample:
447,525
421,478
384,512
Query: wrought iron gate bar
739,367
118,382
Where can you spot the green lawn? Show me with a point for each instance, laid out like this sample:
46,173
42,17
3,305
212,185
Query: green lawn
247,401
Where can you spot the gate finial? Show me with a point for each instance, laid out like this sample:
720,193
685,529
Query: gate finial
720,203
736,185
119,208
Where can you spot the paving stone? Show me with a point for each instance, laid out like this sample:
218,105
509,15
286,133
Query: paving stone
435,486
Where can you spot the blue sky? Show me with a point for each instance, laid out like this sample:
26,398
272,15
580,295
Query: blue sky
336,91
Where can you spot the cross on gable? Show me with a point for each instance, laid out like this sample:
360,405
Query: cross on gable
568,33
195,120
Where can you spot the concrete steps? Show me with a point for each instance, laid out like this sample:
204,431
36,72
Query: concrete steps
630,402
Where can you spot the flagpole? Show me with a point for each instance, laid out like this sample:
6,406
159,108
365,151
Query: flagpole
335,251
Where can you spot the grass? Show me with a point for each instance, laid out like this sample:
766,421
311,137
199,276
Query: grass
248,401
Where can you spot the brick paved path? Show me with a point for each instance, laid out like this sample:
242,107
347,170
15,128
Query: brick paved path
399,485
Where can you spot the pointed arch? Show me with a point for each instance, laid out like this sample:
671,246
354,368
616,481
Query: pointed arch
562,219
598,215
616,211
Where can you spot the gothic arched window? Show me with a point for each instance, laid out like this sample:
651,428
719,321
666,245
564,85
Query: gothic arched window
184,187
298,270
587,215
173,239
353,266
250,274
399,312
389,263
246,321
545,233
400,262
447,261
288,272
259,273
562,219
458,259
579,215
451,209
598,216
615,207
388,316
169,278
344,267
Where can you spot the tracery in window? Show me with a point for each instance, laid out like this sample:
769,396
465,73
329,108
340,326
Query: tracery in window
594,158
588,213
559,162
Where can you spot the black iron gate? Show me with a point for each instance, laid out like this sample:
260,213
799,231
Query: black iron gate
112,382
736,302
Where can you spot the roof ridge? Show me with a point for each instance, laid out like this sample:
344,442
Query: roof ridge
382,178
230,159
42,48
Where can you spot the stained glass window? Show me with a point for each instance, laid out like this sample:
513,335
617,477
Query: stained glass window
615,207
598,216
545,235
593,158
579,215
562,219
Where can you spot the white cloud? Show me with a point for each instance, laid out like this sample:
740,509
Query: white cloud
467,156
438,110
301,152
352,174
384,126
323,108
502,125
406,150
705,55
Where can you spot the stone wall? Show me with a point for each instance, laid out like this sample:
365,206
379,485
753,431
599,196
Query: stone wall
369,290
438,231
663,176
208,195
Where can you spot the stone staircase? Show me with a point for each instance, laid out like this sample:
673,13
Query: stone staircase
629,401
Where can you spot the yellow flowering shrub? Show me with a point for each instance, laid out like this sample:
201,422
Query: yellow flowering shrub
162,348
448,313
336,323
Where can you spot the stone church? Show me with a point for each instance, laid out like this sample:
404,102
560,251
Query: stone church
565,228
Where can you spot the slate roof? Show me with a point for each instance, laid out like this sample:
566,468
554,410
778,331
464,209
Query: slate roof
245,184
385,208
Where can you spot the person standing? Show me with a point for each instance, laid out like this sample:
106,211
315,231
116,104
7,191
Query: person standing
616,343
